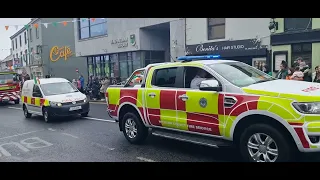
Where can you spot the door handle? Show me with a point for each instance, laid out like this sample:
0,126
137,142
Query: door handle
183,97
152,95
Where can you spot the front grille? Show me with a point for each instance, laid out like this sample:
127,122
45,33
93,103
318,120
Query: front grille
70,103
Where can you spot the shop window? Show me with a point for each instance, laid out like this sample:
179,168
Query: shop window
97,65
90,66
107,65
114,65
136,60
304,51
165,77
297,24
216,28
88,29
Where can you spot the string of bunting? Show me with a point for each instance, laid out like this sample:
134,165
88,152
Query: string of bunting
53,24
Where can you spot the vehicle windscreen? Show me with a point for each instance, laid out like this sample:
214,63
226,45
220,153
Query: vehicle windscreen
58,88
240,74
6,78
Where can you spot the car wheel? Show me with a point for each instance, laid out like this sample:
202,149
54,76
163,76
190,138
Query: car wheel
264,143
133,128
85,114
25,112
46,115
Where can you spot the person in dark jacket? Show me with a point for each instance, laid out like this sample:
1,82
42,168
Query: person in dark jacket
307,73
282,74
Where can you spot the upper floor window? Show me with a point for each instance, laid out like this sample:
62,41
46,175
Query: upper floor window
88,29
12,44
30,35
296,24
37,33
20,40
216,28
16,42
25,37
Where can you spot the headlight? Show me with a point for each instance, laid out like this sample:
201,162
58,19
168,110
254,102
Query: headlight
307,108
85,100
55,103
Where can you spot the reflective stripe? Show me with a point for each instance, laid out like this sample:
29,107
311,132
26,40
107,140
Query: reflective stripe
35,101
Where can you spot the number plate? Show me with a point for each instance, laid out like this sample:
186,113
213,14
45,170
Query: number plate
75,108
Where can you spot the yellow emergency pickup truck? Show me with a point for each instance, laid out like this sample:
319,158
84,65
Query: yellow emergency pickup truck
215,102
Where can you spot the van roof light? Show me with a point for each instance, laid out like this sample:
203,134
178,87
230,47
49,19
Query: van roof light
191,58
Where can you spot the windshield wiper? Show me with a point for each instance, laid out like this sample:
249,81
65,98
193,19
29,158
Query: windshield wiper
263,80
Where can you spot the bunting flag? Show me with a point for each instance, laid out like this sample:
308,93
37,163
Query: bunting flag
54,24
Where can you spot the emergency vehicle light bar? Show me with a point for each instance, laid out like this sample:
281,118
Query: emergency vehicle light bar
190,58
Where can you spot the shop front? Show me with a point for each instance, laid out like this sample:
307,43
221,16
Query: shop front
122,64
248,51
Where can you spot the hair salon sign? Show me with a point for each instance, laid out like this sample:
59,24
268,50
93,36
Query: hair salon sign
227,48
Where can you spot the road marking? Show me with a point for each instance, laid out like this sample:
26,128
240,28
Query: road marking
97,119
90,118
145,159
50,129
20,134
15,108
67,134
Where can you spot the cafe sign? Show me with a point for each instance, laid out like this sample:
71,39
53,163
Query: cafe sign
56,53
245,47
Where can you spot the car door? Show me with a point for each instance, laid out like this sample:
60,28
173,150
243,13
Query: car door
160,97
198,110
35,105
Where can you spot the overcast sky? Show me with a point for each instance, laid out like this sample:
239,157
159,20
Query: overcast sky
5,42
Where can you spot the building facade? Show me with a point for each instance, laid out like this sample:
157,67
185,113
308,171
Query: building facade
242,39
7,63
295,37
53,49
19,46
115,47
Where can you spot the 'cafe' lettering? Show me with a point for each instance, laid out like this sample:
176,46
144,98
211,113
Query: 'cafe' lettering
57,53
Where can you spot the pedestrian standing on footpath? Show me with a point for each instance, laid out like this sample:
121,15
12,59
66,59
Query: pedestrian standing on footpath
104,85
283,72
290,72
307,73
314,73
81,79
297,75
316,78
266,70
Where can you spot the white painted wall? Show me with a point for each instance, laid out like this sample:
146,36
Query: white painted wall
236,29
123,28
20,48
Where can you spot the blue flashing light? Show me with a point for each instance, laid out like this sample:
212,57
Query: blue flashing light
190,58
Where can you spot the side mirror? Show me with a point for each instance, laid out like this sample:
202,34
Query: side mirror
210,85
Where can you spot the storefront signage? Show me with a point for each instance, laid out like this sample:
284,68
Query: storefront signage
120,42
57,53
246,47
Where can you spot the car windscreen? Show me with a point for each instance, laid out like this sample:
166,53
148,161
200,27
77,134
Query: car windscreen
240,74
58,88
6,78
